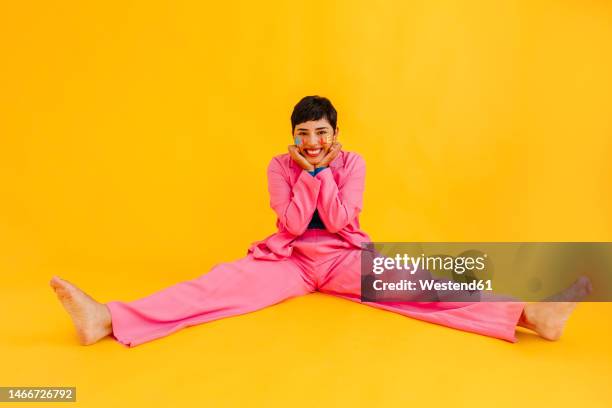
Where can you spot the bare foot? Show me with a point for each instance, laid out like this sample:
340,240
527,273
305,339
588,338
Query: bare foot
91,319
577,291
548,318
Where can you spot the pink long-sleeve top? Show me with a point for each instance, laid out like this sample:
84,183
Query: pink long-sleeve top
336,192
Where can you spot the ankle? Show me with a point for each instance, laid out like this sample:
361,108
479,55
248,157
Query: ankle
525,320
106,319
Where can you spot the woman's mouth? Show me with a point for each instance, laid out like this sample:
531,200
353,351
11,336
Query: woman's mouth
313,152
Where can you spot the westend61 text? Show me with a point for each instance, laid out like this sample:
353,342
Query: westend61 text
432,284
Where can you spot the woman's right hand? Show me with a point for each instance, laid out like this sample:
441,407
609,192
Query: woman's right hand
299,159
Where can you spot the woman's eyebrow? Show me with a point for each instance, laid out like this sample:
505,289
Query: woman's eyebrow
319,128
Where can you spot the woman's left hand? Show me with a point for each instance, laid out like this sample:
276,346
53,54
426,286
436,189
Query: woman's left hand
330,156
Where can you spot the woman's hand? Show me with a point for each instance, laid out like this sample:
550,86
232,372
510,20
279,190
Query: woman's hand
299,159
330,156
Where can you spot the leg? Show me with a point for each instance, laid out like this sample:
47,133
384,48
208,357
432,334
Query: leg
229,289
495,319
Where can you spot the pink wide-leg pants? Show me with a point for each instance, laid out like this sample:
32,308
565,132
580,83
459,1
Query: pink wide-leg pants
320,261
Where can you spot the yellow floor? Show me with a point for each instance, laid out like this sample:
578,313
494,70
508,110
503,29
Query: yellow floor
135,137
312,351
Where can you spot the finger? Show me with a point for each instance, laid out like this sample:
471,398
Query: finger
293,150
294,154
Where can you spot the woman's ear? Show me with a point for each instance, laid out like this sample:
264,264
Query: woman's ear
336,134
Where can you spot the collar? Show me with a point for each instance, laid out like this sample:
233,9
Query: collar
336,163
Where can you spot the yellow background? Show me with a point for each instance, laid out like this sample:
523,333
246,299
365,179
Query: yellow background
134,139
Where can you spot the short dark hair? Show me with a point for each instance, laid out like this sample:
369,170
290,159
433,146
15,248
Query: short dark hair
314,108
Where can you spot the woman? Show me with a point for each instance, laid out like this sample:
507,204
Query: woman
316,190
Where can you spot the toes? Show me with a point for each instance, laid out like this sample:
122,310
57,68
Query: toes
584,281
64,296
63,293
586,284
56,282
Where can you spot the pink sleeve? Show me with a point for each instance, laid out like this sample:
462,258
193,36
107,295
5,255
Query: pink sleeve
338,207
295,205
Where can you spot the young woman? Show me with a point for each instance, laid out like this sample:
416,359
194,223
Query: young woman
316,190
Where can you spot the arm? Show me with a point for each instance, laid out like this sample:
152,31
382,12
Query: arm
295,205
338,207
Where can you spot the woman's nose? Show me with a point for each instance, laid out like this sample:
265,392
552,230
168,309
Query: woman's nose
310,140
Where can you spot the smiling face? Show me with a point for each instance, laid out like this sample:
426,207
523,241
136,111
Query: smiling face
314,139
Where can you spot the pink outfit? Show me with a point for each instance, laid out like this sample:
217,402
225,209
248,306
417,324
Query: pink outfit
296,261
295,194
